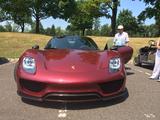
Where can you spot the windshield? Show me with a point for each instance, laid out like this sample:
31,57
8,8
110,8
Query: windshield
72,42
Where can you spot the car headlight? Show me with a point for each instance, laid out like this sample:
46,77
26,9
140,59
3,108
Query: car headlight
29,64
114,64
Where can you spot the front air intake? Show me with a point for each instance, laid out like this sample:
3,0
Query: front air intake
32,85
111,86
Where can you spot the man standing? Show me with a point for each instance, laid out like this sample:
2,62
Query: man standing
121,38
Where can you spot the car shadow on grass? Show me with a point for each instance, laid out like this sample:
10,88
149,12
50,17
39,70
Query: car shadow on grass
3,60
77,105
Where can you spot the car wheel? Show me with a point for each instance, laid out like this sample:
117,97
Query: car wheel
136,61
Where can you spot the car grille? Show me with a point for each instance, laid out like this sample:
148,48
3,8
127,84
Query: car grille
32,85
72,97
111,86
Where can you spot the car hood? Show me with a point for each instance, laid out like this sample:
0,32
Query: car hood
64,60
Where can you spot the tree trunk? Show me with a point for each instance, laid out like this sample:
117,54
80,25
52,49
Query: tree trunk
83,32
114,16
158,31
22,27
37,23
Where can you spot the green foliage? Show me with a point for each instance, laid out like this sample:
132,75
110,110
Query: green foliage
66,8
71,30
50,31
82,19
59,31
33,28
38,9
8,27
22,11
129,22
82,14
109,10
18,11
96,27
85,13
152,10
147,31
3,16
105,30
42,9
2,29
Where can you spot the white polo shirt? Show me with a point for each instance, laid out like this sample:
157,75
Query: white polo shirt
121,39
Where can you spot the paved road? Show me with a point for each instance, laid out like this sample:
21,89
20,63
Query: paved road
143,102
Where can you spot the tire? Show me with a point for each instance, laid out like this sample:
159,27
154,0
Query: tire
136,61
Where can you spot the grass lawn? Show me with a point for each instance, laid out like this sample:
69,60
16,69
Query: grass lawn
12,45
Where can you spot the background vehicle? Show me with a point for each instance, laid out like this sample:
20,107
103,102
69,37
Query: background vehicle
146,55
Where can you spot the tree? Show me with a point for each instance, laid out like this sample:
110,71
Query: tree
33,28
129,22
82,19
21,11
42,9
38,9
72,30
2,29
8,27
85,13
105,30
17,10
50,31
96,27
112,5
152,10
3,16
59,31
148,30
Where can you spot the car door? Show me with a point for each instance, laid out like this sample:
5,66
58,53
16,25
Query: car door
126,53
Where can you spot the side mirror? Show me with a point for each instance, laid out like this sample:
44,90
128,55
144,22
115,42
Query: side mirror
35,47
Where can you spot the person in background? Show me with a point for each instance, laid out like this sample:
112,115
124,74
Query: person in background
121,38
156,71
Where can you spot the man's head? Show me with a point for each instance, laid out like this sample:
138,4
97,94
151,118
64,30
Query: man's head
120,28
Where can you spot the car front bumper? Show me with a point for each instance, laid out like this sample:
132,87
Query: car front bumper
62,97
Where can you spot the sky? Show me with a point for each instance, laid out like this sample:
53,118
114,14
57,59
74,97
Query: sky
135,6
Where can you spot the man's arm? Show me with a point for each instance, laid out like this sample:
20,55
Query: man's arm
114,40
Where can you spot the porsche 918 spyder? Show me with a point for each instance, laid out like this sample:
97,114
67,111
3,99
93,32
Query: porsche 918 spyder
72,69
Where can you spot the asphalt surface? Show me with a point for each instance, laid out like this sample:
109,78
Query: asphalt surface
143,102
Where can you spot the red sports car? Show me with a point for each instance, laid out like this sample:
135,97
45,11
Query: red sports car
72,69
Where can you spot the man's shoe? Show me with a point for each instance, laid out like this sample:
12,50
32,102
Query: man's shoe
152,78
158,80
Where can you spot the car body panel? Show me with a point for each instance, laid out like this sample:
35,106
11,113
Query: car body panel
126,53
